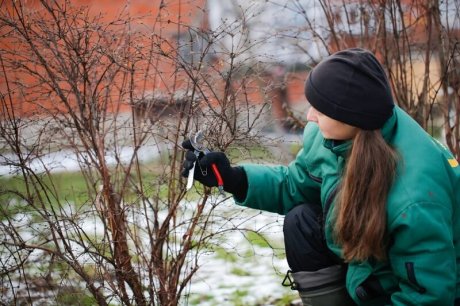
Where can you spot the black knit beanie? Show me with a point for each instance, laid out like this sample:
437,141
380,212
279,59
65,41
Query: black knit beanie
351,86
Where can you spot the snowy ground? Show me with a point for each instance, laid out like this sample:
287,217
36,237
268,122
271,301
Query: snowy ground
254,274
239,272
246,274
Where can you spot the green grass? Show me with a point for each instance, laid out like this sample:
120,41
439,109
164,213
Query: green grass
72,186
237,297
57,189
69,186
262,241
198,299
284,300
258,239
249,153
67,297
223,254
240,272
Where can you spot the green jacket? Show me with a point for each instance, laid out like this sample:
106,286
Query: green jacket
423,213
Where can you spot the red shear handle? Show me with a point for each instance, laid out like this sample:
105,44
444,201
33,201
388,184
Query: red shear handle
220,182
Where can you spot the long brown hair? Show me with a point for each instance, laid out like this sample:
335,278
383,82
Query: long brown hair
361,207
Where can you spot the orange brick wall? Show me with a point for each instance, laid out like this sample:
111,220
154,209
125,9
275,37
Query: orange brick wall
162,20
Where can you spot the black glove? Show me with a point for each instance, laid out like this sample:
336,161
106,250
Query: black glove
234,178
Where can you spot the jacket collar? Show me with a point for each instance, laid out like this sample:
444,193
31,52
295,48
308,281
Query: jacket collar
338,147
390,125
342,147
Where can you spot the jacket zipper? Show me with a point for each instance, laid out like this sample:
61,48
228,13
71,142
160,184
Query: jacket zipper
315,178
411,276
329,200
327,206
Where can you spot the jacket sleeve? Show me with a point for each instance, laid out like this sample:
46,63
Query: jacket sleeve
279,188
422,255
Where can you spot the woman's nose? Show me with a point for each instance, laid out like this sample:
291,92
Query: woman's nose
312,114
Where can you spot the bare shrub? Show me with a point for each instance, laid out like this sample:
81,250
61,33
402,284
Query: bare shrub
84,87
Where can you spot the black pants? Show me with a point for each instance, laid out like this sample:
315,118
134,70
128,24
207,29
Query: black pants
317,273
305,245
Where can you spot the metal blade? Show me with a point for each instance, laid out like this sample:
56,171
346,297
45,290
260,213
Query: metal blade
190,177
197,141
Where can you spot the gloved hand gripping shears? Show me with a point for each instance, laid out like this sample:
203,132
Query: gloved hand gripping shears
197,142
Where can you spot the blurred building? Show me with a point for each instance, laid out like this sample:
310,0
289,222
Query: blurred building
276,41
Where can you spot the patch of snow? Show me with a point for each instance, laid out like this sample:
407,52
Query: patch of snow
67,160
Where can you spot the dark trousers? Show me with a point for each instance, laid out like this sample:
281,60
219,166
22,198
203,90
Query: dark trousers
317,273
304,240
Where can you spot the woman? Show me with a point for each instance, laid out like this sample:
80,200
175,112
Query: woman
372,202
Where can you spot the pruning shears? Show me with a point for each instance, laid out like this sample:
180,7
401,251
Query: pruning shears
197,142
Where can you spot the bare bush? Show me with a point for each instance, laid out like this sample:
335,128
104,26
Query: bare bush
69,79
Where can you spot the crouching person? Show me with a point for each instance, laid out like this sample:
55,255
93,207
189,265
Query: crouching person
371,202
